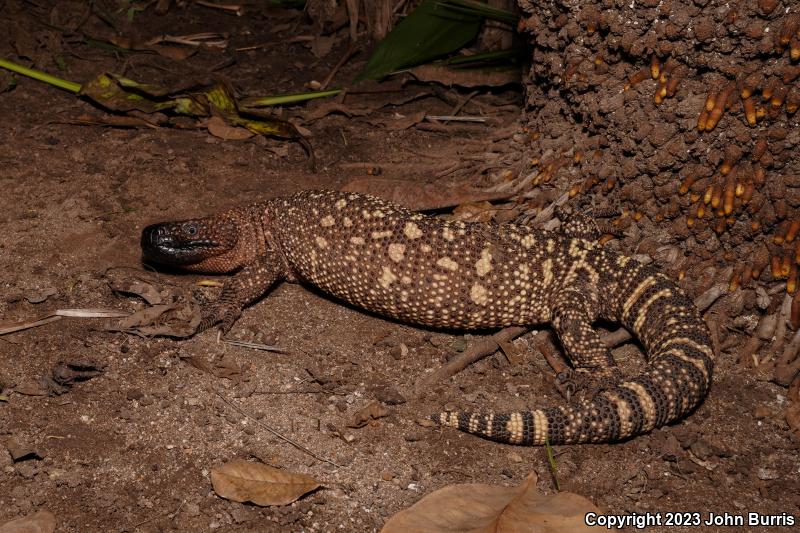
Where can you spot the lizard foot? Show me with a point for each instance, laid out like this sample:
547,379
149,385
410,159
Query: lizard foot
584,383
218,313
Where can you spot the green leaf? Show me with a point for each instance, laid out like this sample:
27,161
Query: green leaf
479,8
254,102
430,31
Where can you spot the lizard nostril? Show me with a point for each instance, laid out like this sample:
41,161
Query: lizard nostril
154,235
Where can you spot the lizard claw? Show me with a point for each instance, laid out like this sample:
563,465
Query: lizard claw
224,315
572,383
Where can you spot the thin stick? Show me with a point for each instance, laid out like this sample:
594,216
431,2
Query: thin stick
351,51
231,8
273,431
453,118
463,102
480,349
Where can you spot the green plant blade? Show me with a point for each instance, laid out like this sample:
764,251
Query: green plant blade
430,31
254,102
61,83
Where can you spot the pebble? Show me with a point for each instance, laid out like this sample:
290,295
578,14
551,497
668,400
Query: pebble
398,352
389,395
766,474
515,457
387,476
134,394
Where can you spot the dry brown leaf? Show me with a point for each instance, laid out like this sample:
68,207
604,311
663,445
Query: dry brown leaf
147,291
475,212
199,363
372,411
227,368
170,320
321,45
243,481
792,415
219,128
466,77
481,508
39,522
323,109
178,53
421,197
403,123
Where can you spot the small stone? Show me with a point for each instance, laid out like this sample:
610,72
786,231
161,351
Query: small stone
515,457
762,412
398,352
5,458
192,509
134,394
147,400
21,451
388,395
766,474
413,436
26,469
387,476
426,422
459,344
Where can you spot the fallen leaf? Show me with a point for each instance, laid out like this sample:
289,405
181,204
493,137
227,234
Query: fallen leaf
199,363
321,45
243,481
31,388
226,368
422,197
475,212
324,109
219,128
172,52
481,508
405,122
147,291
40,295
68,373
792,415
467,77
39,522
372,411
169,320
21,451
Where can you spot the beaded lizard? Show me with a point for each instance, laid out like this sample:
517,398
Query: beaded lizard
423,270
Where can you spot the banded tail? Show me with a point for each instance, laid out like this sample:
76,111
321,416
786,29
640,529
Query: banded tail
675,382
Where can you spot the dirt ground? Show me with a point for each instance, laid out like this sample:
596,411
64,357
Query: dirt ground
130,449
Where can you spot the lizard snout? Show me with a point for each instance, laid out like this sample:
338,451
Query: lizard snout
155,236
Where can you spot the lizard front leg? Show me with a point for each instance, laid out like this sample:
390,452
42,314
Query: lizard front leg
239,291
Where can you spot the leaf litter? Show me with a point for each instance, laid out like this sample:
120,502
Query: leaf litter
478,508
261,484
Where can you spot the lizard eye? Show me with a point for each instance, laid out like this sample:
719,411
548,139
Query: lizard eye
190,229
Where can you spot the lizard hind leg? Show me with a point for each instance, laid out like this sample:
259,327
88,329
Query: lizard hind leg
594,369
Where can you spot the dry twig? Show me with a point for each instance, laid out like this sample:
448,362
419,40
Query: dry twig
274,431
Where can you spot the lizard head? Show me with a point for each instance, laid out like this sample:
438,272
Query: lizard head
211,244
